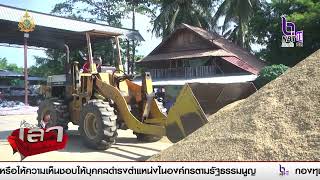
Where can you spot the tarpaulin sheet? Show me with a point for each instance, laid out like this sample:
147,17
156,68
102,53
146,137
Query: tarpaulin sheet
20,110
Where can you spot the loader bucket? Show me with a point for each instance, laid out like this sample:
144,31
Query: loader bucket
197,101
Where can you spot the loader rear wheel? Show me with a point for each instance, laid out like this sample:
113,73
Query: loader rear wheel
98,125
58,110
151,138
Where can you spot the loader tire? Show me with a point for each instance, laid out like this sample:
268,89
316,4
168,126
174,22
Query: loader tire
98,125
58,111
151,138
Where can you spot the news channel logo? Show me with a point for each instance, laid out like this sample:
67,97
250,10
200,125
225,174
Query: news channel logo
290,36
283,171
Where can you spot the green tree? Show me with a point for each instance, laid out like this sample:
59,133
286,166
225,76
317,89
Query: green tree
111,11
265,27
50,65
96,10
4,65
175,12
103,11
270,73
55,61
236,15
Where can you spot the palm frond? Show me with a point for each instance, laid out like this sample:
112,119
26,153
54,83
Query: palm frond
221,11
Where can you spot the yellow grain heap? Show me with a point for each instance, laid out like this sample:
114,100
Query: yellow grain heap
280,122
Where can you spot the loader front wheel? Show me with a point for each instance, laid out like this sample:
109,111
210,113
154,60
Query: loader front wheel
98,125
58,111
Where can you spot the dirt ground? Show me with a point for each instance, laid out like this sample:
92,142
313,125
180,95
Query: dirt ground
127,148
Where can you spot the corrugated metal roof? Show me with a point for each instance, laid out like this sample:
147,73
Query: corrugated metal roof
41,19
6,73
11,74
241,64
33,78
53,31
187,54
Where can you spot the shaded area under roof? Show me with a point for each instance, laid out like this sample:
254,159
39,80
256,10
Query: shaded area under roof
53,31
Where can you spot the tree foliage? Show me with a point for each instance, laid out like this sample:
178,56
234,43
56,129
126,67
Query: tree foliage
55,61
50,65
109,12
175,12
4,65
92,10
265,27
236,15
270,73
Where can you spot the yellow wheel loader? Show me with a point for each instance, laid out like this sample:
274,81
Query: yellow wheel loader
103,102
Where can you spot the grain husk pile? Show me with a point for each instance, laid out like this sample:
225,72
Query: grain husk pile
280,122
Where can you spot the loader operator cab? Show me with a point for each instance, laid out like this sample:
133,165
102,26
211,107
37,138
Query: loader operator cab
94,63
97,60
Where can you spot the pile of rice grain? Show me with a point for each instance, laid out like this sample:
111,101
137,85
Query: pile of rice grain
280,122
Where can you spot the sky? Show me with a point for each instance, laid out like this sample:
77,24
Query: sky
15,55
